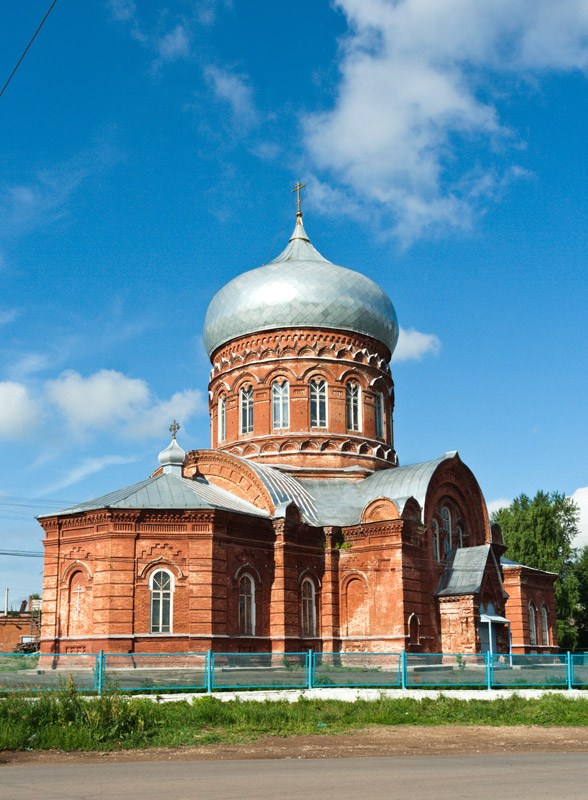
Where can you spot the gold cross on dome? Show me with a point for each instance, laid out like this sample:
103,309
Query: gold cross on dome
297,189
174,428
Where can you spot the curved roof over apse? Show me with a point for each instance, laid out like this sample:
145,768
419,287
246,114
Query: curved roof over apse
340,502
300,288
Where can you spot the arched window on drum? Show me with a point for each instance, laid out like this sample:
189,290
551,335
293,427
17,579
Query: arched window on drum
353,406
222,418
280,404
318,403
246,409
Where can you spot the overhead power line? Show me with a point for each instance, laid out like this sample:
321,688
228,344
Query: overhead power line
27,47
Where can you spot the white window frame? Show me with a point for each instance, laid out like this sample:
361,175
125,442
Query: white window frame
353,406
251,597
280,404
161,592
318,388
379,411
222,418
305,632
246,409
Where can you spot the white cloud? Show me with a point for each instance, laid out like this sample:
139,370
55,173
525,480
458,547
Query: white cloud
496,505
234,90
122,10
413,345
19,412
98,401
109,400
89,466
174,44
415,117
580,496
8,315
155,420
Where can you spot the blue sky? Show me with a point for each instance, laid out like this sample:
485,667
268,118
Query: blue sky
147,152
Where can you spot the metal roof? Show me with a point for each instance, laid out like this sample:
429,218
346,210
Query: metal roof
336,501
166,491
464,571
333,501
300,288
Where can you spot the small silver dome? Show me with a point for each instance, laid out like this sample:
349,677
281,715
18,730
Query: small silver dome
172,458
302,289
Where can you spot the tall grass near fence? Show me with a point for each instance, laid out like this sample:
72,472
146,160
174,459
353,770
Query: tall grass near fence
65,720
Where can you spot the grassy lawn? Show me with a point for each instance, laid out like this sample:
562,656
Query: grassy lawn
64,720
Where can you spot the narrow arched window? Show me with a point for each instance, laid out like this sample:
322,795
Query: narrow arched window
161,585
352,398
436,550
222,418
280,404
246,606
379,409
308,608
446,517
544,627
459,535
532,624
413,629
318,404
246,409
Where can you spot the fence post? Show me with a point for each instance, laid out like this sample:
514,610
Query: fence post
310,676
488,670
99,665
403,670
209,670
570,670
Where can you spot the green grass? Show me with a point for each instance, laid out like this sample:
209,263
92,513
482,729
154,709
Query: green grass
65,720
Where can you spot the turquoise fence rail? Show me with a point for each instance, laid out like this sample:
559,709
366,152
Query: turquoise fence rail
140,671
579,670
215,671
356,669
445,669
36,672
260,671
530,670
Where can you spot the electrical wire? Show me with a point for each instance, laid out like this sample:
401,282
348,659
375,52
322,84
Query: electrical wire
27,48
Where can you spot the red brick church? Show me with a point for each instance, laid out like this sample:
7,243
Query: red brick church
299,528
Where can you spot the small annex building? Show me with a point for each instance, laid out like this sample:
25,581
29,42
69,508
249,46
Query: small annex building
299,528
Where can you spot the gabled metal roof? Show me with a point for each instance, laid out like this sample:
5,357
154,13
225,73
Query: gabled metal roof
464,571
166,491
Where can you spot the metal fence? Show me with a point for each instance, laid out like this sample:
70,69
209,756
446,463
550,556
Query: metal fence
217,671
37,672
531,670
445,669
356,669
260,670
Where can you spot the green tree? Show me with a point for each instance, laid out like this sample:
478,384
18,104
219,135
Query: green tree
581,573
539,533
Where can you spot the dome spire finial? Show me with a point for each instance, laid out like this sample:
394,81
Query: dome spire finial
297,189
174,428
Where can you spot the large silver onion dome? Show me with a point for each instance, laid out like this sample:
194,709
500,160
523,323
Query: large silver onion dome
302,289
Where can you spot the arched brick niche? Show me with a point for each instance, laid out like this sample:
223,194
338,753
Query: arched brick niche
304,398
455,509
